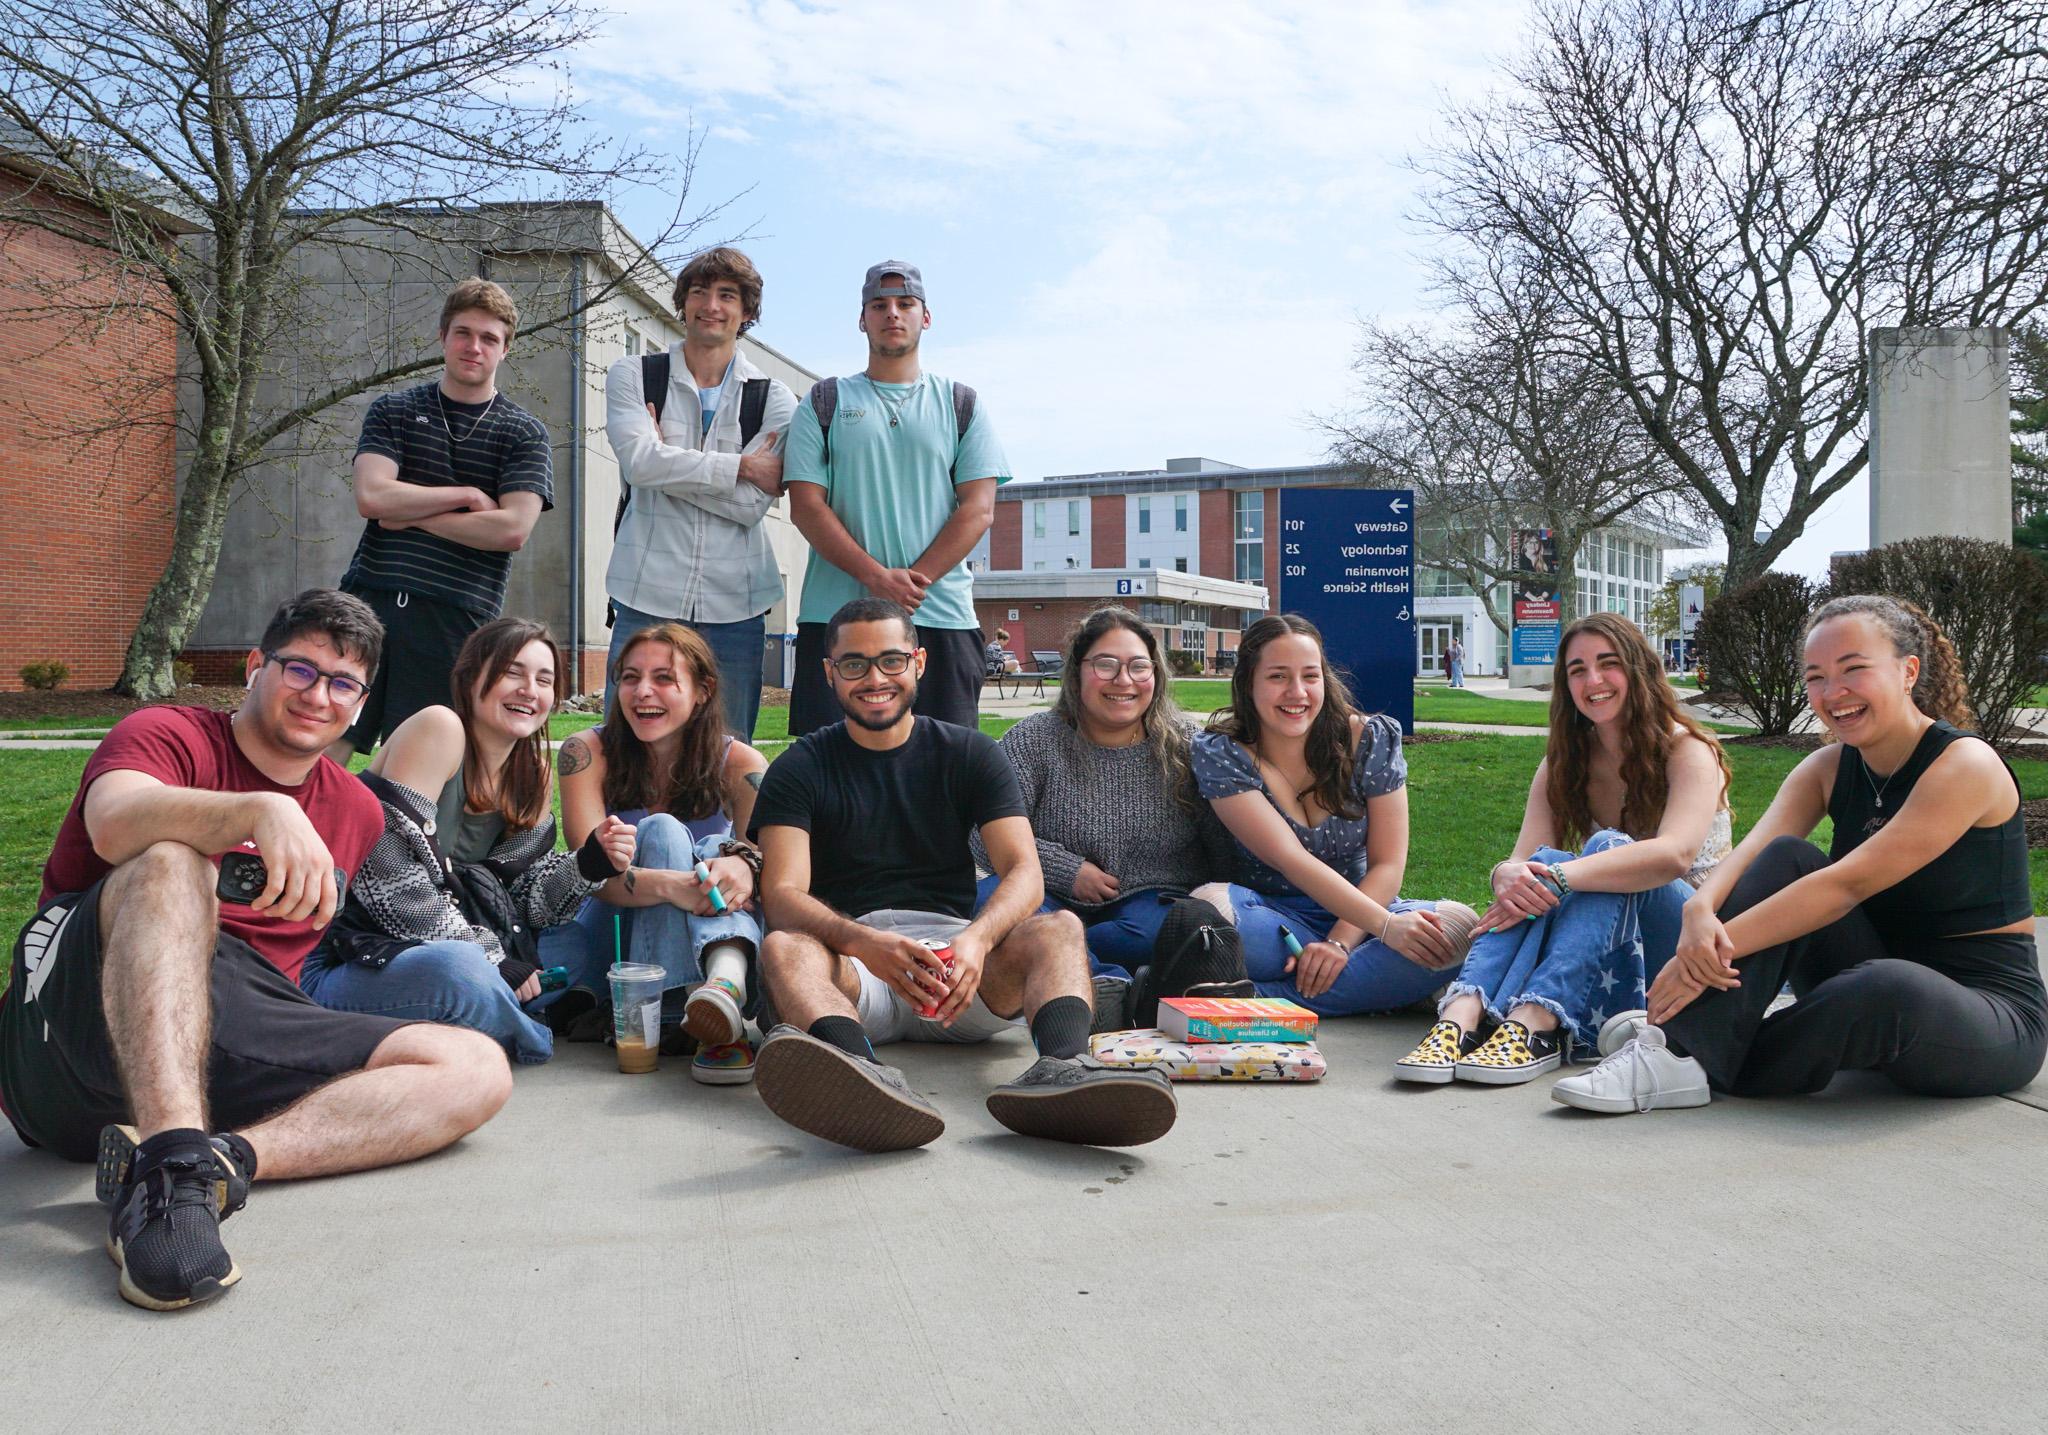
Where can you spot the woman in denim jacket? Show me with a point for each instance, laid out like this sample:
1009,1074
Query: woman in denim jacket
1573,938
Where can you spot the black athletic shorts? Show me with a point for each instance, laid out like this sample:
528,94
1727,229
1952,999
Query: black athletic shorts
58,1079
422,639
950,690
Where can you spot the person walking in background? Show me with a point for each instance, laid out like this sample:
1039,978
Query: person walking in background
1454,658
700,463
892,479
450,478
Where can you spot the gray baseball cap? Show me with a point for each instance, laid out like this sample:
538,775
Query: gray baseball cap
908,281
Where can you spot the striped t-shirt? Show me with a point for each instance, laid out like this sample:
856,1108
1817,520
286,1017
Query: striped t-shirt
497,447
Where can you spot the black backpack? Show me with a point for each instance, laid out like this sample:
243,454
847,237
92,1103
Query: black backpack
654,372
825,403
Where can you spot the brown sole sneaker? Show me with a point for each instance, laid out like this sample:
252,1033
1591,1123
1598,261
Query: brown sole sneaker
838,1097
135,1295
1098,1107
712,1017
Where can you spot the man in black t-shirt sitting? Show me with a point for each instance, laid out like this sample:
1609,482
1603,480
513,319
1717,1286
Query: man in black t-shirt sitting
872,815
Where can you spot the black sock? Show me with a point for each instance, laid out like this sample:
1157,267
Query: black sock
242,1151
1060,1027
845,1033
181,1140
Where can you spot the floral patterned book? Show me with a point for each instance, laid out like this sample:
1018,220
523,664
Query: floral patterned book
1210,1060
1235,1019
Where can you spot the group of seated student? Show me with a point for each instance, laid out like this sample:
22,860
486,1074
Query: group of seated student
192,1041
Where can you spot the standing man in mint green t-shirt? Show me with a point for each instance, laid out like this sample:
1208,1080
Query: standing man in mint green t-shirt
893,494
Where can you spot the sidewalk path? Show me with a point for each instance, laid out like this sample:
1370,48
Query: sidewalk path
644,1254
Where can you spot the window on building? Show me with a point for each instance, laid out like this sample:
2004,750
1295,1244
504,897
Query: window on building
1194,640
1038,566
1251,537
1153,612
632,341
1073,518
1180,513
1180,565
1144,515
1659,579
1038,520
1072,561
1144,562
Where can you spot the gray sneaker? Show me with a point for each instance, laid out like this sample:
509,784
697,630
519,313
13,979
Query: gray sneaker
1076,1098
837,1096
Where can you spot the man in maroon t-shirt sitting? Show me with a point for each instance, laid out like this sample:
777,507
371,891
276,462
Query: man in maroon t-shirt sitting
154,1016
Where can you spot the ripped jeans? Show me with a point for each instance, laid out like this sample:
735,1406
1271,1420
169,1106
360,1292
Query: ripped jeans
1592,955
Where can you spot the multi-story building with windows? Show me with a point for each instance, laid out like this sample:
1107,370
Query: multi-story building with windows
1060,545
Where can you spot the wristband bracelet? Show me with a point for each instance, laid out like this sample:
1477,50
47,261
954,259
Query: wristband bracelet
1495,872
1557,873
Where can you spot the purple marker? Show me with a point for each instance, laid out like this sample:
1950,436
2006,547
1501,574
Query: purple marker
704,879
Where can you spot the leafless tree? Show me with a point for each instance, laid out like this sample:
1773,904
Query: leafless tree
219,145
1725,195
1497,421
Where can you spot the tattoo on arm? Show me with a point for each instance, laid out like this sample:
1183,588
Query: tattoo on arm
754,780
573,757
629,880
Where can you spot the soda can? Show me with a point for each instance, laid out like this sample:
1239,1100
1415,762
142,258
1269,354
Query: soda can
943,950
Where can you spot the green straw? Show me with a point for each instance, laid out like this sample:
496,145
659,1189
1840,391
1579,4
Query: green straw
618,945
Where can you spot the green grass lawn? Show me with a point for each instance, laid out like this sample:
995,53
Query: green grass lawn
1483,779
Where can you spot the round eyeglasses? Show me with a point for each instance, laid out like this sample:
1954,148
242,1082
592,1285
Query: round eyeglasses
854,666
1106,668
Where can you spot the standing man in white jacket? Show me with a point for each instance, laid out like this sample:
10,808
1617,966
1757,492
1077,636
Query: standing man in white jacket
690,545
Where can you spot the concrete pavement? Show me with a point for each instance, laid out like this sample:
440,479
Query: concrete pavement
640,1254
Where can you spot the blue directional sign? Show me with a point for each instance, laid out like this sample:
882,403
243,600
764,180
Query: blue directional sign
1347,564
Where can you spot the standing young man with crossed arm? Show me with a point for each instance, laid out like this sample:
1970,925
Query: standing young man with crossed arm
451,477
892,493
872,815
158,1024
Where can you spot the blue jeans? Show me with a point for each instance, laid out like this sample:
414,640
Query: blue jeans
451,982
738,647
663,936
1592,955
1120,935
1376,978
1457,673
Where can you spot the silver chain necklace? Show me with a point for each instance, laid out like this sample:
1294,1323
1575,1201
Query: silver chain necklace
895,409
442,400
1876,791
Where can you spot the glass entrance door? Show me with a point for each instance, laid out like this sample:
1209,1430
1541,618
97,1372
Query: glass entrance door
1431,639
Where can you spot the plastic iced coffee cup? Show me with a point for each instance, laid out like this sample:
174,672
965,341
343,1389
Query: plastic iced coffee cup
636,1015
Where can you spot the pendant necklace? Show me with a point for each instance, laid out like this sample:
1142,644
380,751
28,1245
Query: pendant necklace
1875,790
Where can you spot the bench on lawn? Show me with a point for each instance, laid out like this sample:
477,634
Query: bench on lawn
1048,664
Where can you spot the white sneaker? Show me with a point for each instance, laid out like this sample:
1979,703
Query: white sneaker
1644,1075
1620,1029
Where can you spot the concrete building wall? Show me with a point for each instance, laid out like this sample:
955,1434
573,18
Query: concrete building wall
1940,434
88,449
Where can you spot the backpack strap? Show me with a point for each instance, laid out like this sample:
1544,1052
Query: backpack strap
654,380
824,403
753,409
963,415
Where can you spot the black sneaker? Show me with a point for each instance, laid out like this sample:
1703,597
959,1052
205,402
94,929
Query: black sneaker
1195,947
117,1158
165,1233
838,1096
1076,1098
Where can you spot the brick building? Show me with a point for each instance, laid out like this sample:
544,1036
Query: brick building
88,430
1198,518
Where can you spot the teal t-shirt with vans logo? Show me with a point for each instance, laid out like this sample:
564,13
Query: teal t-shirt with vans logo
892,485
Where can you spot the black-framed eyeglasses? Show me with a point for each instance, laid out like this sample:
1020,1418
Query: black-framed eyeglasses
300,675
854,666
1106,668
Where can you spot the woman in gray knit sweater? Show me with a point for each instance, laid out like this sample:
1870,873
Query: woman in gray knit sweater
1121,832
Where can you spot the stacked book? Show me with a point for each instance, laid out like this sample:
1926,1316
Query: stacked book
1221,1039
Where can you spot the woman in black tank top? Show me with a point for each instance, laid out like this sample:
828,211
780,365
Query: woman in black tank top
1909,944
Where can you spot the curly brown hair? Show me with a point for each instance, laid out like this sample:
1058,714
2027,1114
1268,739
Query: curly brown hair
1939,691
1330,752
690,788
520,790
728,264
1166,732
1651,721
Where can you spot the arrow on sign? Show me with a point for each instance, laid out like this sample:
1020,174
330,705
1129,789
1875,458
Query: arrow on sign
1398,506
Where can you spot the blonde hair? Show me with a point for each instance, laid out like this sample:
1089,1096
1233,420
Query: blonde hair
481,294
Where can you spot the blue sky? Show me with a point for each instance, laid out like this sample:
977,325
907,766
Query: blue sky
1147,228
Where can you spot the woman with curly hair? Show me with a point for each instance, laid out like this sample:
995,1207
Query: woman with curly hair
662,761
1908,944
1315,794
1627,813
